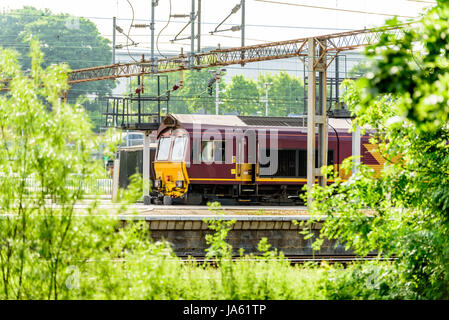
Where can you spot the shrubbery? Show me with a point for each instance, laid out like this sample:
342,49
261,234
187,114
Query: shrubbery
49,252
403,213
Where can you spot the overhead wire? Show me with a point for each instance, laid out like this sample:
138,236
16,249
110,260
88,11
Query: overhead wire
429,2
235,37
334,9
129,30
202,22
157,39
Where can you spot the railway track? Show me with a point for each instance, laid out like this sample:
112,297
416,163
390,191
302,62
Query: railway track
341,259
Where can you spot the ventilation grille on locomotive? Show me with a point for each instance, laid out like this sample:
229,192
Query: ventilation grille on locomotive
274,121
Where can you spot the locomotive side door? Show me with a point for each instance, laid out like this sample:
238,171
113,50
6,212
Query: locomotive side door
244,170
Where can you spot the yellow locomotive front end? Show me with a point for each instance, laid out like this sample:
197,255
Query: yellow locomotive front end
170,166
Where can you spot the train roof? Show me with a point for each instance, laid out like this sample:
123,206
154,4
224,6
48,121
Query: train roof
188,120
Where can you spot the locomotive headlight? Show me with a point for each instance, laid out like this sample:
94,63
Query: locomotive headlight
179,183
157,183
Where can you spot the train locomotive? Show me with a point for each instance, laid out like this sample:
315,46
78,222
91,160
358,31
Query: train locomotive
242,159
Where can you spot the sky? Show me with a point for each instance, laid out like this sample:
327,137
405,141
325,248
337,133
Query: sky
266,20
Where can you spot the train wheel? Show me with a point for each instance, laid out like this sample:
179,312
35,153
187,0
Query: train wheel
147,200
167,201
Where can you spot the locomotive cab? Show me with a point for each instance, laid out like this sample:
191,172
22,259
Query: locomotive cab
170,164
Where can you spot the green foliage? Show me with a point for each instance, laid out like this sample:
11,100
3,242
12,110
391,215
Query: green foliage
362,281
48,142
399,214
285,95
413,66
195,88
242,95
191,99
64,39
219,248
265,276
359,70
47,251
94,111
403,212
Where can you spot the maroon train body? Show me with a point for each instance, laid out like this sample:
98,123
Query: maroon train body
204,157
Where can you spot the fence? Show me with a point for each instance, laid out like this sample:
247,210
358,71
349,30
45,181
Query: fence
90,185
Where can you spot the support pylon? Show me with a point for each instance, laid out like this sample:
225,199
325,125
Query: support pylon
316,112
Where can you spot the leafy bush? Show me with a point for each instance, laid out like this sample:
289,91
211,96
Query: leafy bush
362,281
402,213
265,276
49,252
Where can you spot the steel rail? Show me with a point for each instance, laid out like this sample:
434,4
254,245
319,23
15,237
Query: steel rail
295,259
292,259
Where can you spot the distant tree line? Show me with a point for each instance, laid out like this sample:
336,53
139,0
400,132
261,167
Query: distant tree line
241,95
63,38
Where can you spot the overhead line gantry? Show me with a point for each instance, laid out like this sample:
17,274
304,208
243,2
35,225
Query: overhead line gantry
334,44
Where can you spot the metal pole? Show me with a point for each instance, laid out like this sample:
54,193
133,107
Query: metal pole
267,84
115,180
146,167
217,102
159,100
305,95
311,98
356,149
266,99
114,25
127,138
152,62
192,35
243,30
316,115
322,123
319,111
198,44
138,100
337,80
146,139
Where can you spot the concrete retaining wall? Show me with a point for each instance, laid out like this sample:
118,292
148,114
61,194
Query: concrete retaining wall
187,234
